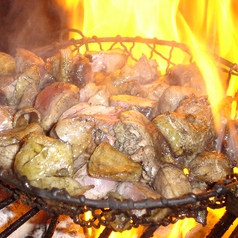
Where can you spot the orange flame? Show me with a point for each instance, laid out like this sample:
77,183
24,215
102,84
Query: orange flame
205,26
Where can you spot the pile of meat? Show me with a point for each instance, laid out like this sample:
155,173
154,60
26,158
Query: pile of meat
97,124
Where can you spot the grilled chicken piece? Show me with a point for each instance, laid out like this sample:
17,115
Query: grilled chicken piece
41,156
147,107
81,73
172,96
27,83
171,182
25,58
103,160
100,187
230,141
95,95
61,65
187,76
136,191
137,137
6,117
7,64
107,61
7,88
53,100
73,187
10,141
209,167
77,131
105,118
185,134
144,71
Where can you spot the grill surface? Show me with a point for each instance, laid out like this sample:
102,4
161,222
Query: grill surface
219,195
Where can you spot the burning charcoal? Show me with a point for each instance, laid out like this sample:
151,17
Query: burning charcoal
107,61
7,64
81,72
100,187
230,142
102,165
147,107
133,133
209,167
77,131
185,133
172,96
41,156
10,141
53,100
25,58
73,187
187,76
167,180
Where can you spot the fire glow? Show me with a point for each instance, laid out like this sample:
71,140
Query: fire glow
205,26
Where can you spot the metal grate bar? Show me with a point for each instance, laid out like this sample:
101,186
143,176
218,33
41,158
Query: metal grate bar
51,229
7,201
234,234
222,226
8,231
105,233
150,231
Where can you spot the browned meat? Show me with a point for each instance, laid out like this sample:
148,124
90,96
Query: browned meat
201,109
144,71
41,156
209,167
103,160
7,64
7,88
186,134
25,58
95,95
81,72
77,131
101,187
105,118
230,141
60,65
136,191
53,100
172,96
107,61
171,182
10,142
6,117
147,107
137,137
27,82
187,76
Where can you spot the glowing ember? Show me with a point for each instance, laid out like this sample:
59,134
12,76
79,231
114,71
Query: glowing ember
205,26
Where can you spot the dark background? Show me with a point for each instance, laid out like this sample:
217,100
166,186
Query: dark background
29,24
